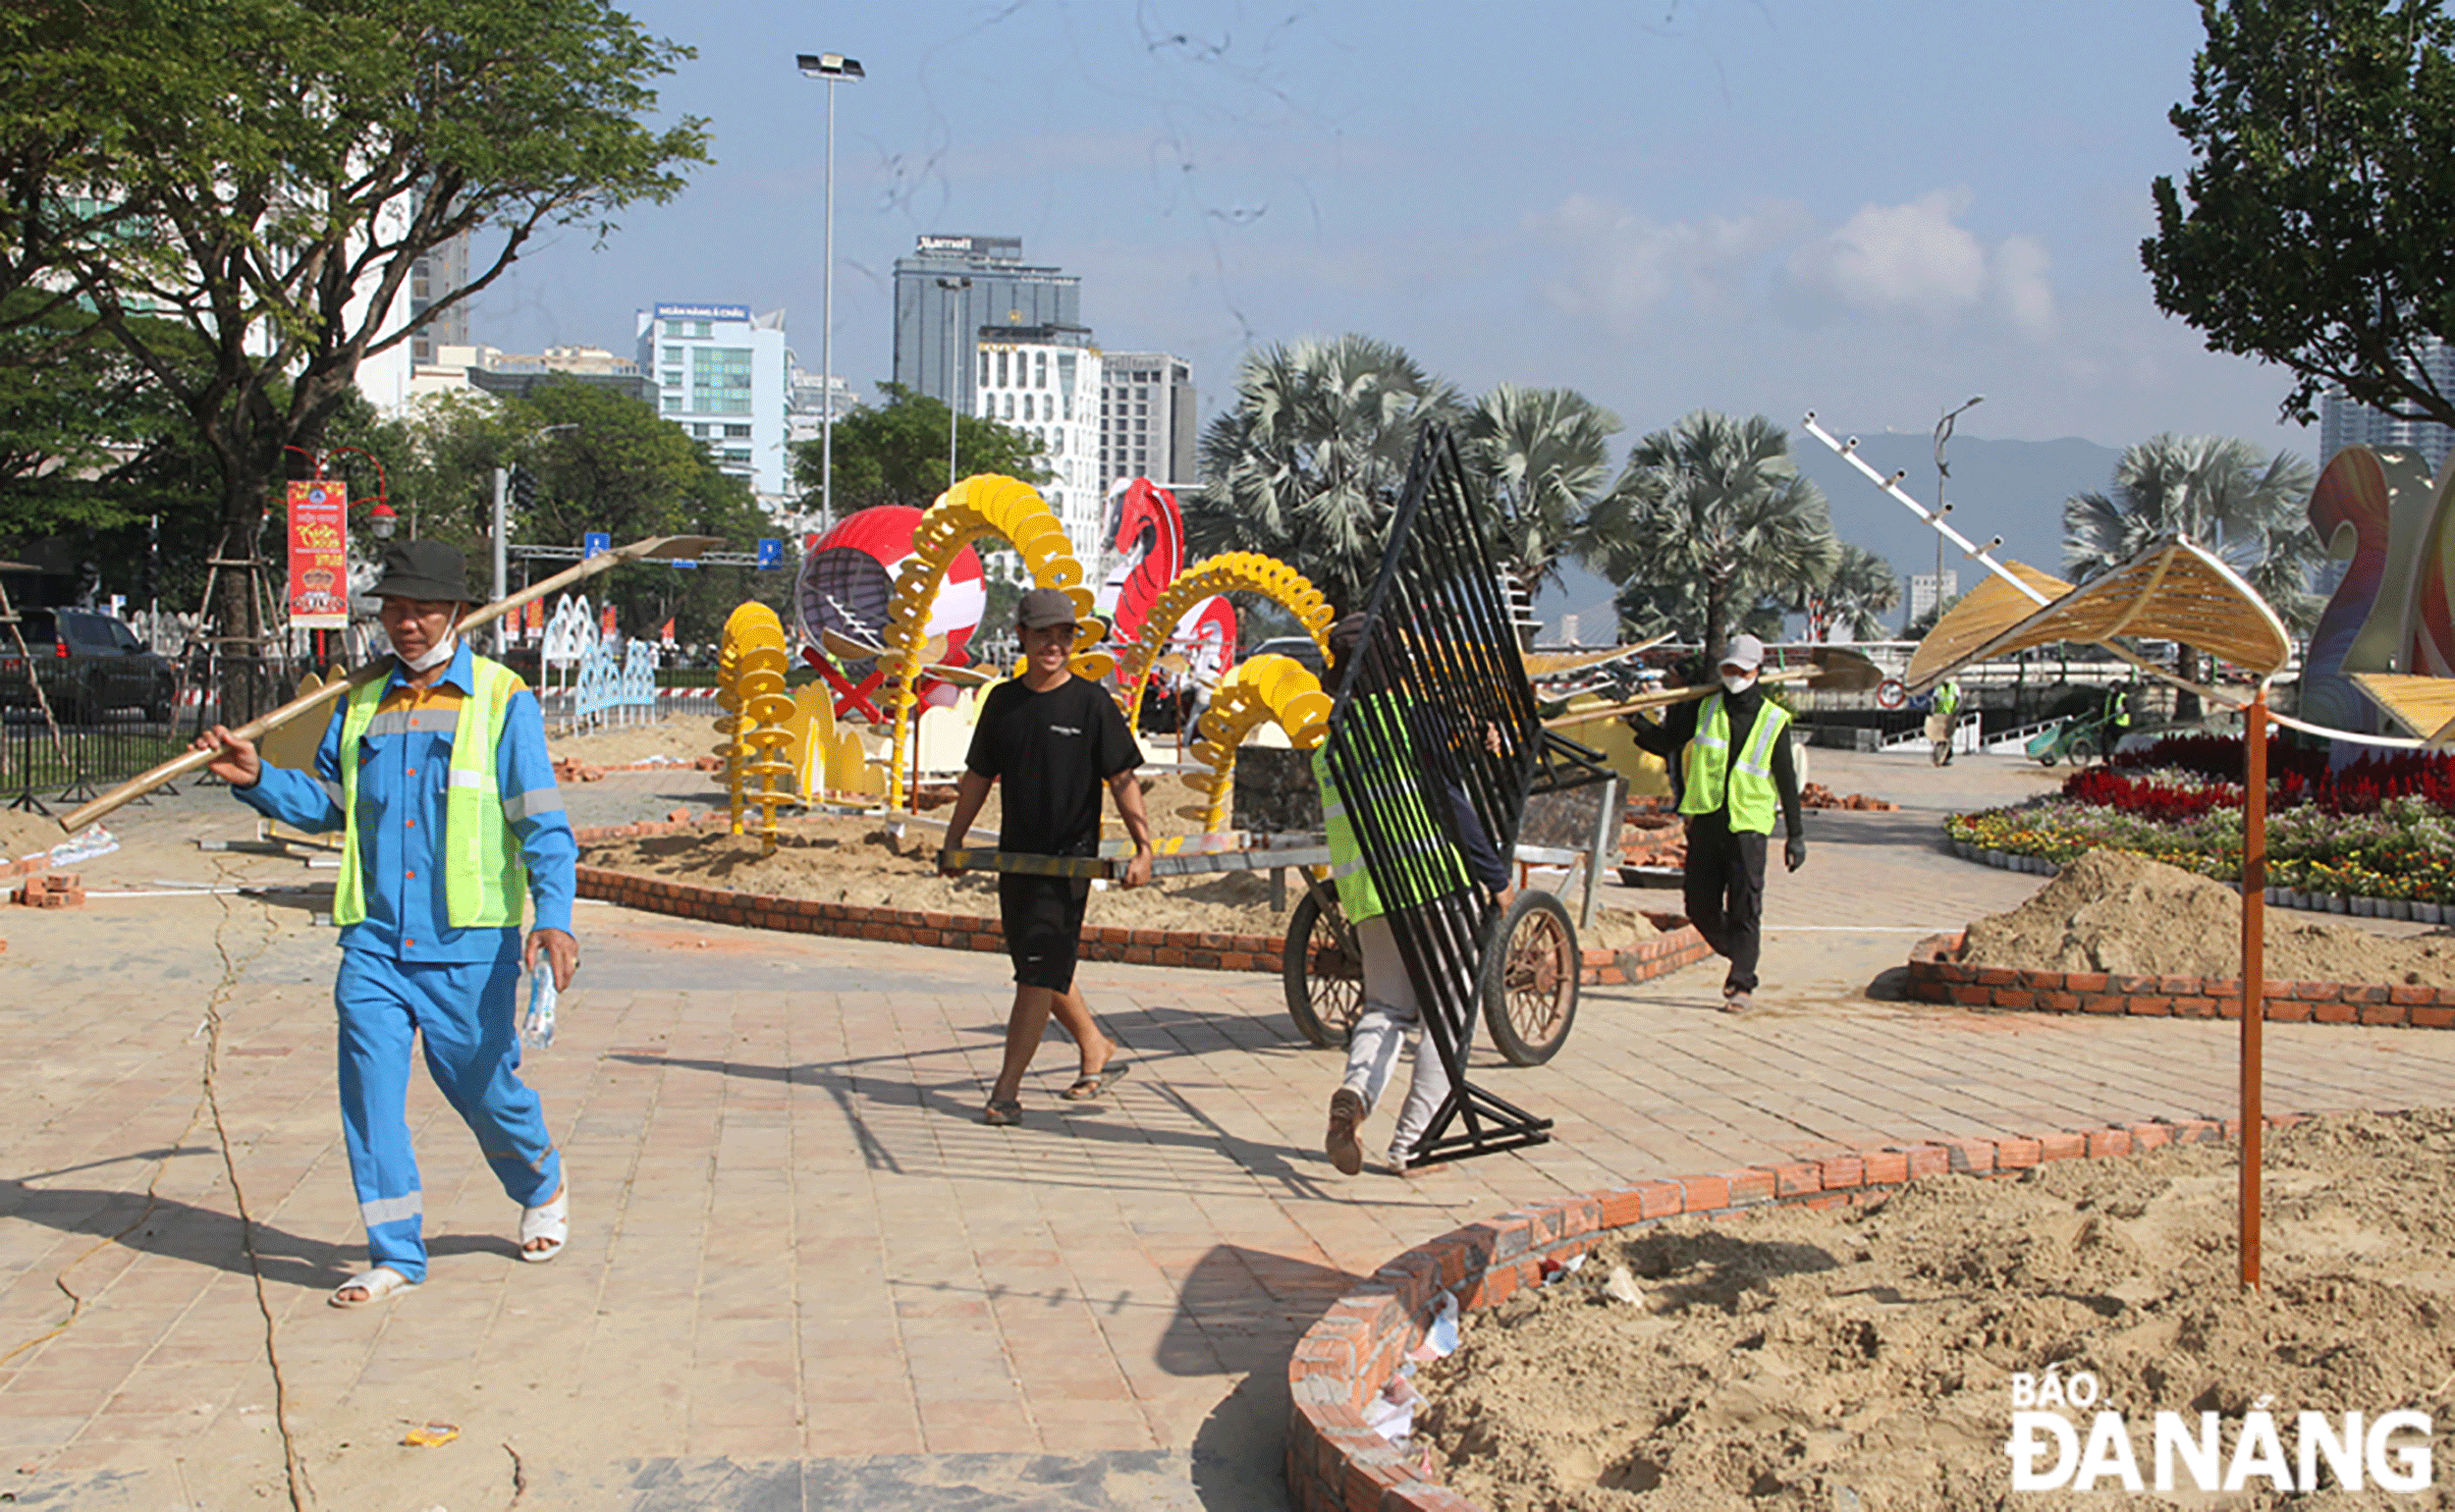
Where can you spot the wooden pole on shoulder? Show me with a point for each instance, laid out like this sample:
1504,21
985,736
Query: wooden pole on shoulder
658,547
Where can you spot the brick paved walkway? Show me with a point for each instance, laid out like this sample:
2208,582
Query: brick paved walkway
801,1276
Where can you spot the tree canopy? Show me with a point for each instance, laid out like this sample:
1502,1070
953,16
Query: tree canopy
896,452
1710,523
2227,494
261,176
2311,229
598,460
1306,463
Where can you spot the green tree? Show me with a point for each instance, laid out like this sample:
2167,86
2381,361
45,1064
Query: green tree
1543,456
600,460
264,176
1709,520
1306,463
896,452
2311,229
2227,494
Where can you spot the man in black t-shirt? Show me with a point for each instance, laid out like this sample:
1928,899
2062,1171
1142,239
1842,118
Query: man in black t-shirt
1051,739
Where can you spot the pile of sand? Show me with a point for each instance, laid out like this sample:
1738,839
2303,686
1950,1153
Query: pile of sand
845,860
2117,911
24,832
685,737
1806,1360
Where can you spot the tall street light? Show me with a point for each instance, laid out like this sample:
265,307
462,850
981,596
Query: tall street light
836,69
955,369
1942,435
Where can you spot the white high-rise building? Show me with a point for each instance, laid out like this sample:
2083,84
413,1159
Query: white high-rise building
1922,597
719,372
1147,418
1045,381
2343,422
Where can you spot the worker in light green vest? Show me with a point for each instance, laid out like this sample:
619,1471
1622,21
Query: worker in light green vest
1735,775
439,780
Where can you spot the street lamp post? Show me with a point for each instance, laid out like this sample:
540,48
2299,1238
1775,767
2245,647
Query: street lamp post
1942,507
955,369
836,69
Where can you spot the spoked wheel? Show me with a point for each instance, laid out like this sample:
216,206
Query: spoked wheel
1324,974
1530,979
1942,755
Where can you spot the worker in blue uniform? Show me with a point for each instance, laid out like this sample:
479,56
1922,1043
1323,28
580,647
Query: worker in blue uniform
439,778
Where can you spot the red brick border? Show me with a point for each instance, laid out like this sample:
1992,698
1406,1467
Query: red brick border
1336,1464
1678,944
1936,974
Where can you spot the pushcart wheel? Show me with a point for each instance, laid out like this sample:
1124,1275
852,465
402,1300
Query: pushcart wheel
1530,979
1942,755
1324,974
2082,750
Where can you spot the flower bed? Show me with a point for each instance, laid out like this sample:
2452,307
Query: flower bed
2381,828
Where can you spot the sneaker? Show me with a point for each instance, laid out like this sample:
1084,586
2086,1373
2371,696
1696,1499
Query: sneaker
1347,1113
1734,1001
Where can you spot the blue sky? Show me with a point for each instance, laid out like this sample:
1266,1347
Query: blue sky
1874,210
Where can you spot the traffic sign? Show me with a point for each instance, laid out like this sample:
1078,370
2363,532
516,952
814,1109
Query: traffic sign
771,553
596,541
1891,694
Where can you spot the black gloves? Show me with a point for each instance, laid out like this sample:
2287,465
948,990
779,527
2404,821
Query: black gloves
1794,854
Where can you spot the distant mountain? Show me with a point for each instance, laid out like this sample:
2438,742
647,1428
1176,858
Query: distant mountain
2014,489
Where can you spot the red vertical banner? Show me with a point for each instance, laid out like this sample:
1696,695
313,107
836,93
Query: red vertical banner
605,621
319,554
534,618
666,635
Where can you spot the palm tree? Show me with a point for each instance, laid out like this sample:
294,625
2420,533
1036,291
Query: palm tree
2227,495
1308,461
1861,588
1543,456
1710,517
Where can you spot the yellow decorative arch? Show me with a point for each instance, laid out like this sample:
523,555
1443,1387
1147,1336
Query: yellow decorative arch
1242,572
1254,693
986,505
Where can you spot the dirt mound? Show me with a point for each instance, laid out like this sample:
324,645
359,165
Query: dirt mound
845,860
1804,1359
2117,911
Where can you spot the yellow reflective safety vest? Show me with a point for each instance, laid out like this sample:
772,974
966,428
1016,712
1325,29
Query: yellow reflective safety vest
1428,865
1754,799
485,883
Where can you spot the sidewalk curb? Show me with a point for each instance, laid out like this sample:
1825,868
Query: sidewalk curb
1938,974
1679,944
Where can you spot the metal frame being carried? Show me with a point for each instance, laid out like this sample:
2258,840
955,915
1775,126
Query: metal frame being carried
1437,712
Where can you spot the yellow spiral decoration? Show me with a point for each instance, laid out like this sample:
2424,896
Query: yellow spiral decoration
1232,571
982,506
1257,692
751,661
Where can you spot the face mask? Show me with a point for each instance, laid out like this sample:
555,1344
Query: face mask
1738,685
436,655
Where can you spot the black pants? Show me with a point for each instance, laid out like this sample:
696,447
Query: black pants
1725,887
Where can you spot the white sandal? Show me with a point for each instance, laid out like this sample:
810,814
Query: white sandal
378,1282
551,1222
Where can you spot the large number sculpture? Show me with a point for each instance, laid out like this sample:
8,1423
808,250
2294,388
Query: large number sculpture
1235,570
1264,689
2392,611
987,505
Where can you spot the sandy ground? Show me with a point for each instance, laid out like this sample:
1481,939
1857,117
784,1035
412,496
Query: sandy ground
2111,911
856,861
683,737
1864,1359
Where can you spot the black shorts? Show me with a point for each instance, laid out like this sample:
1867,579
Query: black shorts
1042,921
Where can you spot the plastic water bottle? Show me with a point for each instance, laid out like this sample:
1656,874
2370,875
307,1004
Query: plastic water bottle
537,1030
